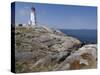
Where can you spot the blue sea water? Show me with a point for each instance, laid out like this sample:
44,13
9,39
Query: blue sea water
87,36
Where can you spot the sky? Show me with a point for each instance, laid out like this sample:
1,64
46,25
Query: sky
58,16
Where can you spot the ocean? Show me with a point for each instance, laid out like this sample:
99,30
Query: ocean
87,36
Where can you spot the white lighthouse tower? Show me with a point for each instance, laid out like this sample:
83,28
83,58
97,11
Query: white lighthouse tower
32,21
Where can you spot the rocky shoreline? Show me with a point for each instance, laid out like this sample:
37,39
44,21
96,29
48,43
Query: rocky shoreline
40,48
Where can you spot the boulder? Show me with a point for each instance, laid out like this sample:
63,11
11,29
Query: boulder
40,48
84,58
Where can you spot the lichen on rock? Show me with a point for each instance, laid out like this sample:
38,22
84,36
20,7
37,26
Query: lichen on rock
41,48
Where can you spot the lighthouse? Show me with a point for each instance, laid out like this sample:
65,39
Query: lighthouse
32,20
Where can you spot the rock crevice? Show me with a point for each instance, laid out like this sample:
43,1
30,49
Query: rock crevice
41,48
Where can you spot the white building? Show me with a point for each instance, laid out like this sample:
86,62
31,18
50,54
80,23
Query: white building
32,20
